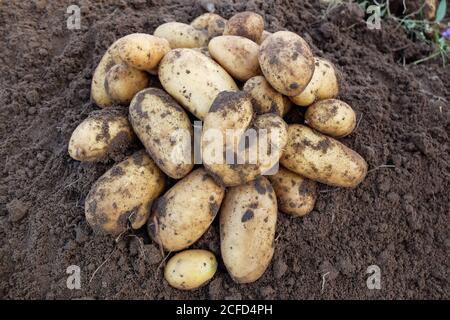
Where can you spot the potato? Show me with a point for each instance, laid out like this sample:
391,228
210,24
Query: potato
323,84
202,21
123,82
287,62
247,229
203,50
265,99
237,55
185,212
143,51
332,117
295,195
190,269
211,22
165,130
321,158
264,36
193,79
245,24
124,194
102,134
181,35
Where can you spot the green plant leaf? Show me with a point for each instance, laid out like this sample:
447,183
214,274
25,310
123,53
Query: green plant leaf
441,10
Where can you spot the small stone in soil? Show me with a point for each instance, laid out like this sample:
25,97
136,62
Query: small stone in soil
17,210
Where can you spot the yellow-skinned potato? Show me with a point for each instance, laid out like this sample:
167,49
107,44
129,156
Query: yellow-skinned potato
122,82
237,55
247,229
124,194
190,269
264,36
203,50
212,22
102,134
320,158
296,195
193,79
185,212
181,35
287,62
165,130
323,84
245,24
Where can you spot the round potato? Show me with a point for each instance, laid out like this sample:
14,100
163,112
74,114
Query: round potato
193,79
264,36
185,212
190,269
122,197
237,55
181,35
122,82
245,24
165,130
287,62
104,133
247,229
296,195
323,84
203,50
212,22
321,158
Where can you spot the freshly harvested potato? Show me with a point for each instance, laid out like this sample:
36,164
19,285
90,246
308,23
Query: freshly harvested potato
122,82
296,195
181,35
323,84
247,229
185,212
287,62
245,24
193,79
212,22
332,117
265,99
165,130
190,269
203,50
321,158
102,134
237,55
264,36
124,194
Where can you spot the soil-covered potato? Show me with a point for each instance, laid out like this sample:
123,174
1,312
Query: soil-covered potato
296,195
320,158
122,197
264,36
211,22
287,62
185,212
190,269
245,24
165,130
203,50
247,229
332,117
193,79
181,35
104,133
237,55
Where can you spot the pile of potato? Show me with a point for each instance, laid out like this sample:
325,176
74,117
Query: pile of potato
231,74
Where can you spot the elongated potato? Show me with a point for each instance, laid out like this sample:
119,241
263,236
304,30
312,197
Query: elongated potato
247,229
245,24
122,82
321,158
286,62
181,35
296,195
193,79
185,212
190,269
323,84
165,130
102,134
332,117
124,194
237,55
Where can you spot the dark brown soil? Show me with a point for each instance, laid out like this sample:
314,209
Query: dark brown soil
398,218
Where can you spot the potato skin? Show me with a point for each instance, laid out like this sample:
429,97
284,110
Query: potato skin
332,117
264,36
295,195
193,79
286,62
321,158
185,212
181,35
247,229
245,24
124,195
237,55
165,130
190,269
123,82
211,22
